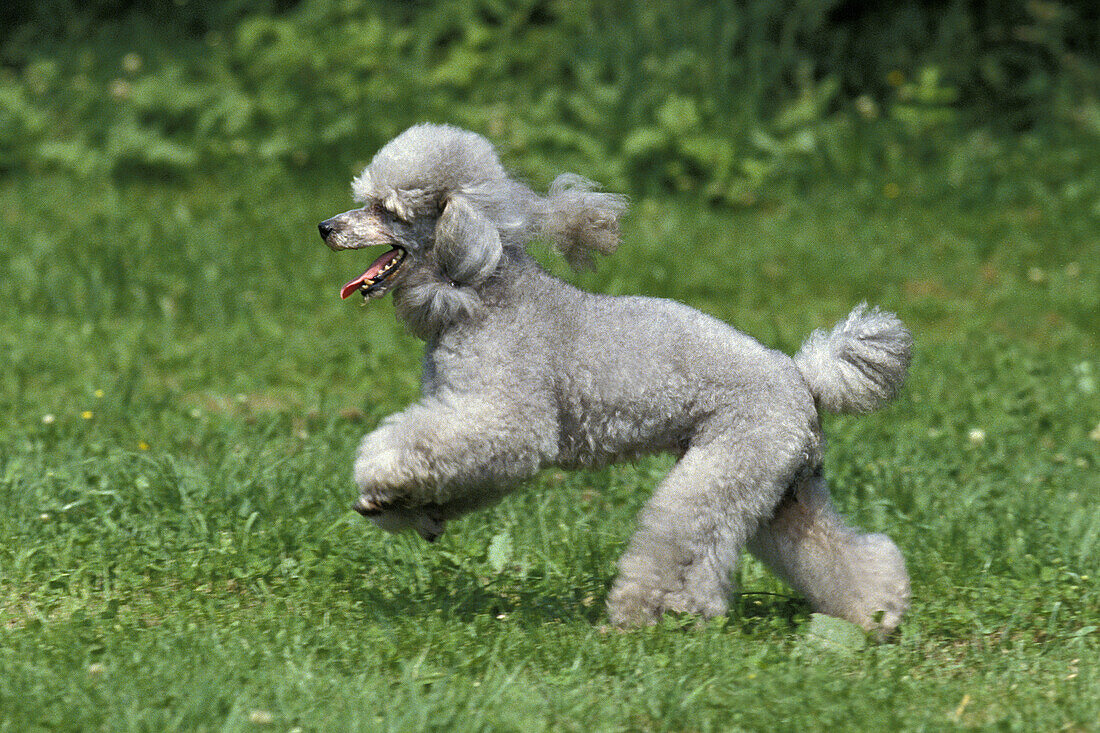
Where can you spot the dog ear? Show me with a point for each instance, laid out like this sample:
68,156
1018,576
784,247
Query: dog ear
467,244
580,220
467,250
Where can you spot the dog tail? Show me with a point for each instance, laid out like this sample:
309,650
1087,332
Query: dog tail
858,365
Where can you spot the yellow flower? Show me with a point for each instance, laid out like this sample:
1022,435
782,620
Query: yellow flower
142,445
98,394
87,414
131,63
260,717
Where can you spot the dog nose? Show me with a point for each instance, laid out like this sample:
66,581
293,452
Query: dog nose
325,228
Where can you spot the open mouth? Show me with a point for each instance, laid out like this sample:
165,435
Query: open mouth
372,282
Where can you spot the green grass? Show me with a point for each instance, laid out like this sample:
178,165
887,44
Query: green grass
182,391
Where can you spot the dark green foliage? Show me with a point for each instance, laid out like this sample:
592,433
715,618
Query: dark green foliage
716,98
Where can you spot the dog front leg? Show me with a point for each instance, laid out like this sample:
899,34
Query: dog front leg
443,457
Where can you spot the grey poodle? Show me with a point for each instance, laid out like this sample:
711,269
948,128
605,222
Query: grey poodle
522,371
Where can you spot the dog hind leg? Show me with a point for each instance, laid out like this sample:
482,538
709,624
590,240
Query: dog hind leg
691,532
843,572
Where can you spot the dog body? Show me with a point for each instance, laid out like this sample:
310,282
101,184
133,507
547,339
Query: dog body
523,371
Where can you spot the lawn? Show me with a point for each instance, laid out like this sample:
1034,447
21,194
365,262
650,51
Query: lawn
182,391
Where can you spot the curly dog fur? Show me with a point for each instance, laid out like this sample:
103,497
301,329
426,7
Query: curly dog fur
523,371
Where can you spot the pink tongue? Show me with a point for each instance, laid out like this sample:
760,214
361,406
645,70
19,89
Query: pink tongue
352,287
372,272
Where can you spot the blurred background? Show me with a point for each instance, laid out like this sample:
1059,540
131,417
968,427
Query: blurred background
719,99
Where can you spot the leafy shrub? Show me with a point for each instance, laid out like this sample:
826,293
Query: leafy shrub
627,92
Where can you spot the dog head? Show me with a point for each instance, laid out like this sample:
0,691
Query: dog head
440,201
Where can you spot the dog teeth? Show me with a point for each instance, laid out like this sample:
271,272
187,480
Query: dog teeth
391,264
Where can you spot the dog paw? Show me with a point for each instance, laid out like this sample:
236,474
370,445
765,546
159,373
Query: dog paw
369,507
379,468
394,518
632,604
880,590
626,610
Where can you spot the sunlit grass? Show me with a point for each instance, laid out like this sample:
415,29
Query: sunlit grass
182,391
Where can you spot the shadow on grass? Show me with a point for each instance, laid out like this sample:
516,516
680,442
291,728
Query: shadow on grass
534,601
758,611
